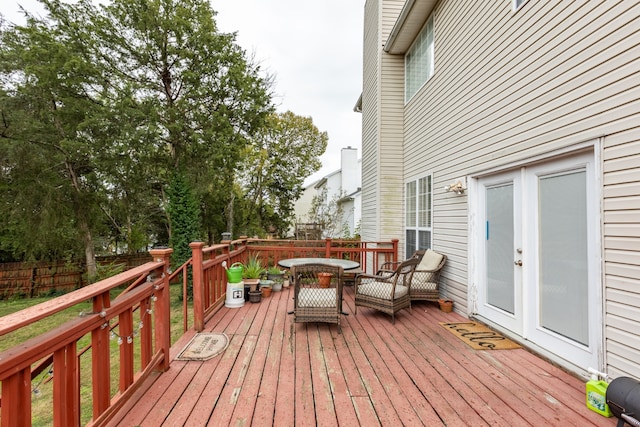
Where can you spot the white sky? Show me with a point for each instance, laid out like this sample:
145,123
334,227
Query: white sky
314,50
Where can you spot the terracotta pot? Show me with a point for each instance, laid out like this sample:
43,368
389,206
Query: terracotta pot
446,305
266,291
324,279
253,284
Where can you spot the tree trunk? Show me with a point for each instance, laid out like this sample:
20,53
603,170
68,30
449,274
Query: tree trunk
89,251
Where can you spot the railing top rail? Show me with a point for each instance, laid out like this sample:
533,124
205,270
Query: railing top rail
14,321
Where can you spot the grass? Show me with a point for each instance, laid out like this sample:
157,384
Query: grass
42,397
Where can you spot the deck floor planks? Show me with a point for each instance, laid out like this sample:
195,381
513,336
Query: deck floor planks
322,394
345,411
391,407
275,372
400,369
460,375
264,405
465,404
303,398
284,410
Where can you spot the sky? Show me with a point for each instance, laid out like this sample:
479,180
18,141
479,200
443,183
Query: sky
312,48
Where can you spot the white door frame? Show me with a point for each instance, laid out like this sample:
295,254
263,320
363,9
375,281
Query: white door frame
527,329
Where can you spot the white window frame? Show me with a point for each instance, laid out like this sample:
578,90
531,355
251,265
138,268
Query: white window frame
418,214
419,60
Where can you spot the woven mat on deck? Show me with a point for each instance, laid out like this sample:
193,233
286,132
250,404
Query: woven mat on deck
479,336
204,346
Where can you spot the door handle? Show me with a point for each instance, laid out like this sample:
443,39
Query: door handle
518,263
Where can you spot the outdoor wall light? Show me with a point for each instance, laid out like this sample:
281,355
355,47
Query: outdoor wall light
457,187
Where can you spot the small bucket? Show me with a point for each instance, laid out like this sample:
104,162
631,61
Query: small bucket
234,273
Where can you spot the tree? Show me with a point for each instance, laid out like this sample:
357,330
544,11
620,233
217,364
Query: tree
327,213
100,105
282,155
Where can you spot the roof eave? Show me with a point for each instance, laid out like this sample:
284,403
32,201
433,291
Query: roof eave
412,17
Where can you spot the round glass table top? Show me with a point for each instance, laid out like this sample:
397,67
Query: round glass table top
344,263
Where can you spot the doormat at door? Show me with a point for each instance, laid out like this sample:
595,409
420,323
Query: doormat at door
479,337
204,346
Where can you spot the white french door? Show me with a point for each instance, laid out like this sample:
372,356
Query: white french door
538,270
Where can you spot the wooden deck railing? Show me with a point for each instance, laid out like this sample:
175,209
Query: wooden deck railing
208,271
147,294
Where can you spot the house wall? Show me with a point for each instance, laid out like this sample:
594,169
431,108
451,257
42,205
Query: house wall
382,142
508,87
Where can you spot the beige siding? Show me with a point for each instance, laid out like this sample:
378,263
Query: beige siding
382,108
508,87
370,114
621,189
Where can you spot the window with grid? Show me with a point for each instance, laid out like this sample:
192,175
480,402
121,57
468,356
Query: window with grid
419,215
418,61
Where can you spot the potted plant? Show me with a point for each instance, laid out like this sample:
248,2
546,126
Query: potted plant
252,272
324,279
274,273
266,286
446,305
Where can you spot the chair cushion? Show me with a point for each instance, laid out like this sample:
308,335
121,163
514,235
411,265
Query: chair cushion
422,285
317,298
430,261
381,290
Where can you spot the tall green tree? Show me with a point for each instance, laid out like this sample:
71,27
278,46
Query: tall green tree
101,105
282,155
51,188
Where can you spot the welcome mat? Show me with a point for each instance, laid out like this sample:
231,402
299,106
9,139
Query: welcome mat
479,337
204,346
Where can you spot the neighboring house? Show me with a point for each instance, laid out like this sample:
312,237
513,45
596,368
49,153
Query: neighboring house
342,186
533,107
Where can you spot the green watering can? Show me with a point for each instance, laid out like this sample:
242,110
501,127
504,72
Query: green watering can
234,273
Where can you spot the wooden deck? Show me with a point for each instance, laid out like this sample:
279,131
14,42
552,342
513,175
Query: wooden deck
276,372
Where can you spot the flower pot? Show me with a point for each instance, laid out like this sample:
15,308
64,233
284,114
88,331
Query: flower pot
253,284
266,291
446,305
255,296
277,285
324,279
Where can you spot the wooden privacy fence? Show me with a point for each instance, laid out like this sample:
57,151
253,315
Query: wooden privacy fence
32,279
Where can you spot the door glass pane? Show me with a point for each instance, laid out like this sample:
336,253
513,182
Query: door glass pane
563,255
499,247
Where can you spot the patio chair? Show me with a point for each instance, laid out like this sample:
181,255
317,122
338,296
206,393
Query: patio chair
390,266
388,293
425,284
312,302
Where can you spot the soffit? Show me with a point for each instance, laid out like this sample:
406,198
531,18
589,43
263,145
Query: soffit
412,17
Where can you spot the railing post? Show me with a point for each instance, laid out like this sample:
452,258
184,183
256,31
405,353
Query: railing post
198,285
327,248
394,243
163,310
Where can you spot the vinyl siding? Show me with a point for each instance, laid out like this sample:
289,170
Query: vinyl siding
509,87
621,189
382,127
372,41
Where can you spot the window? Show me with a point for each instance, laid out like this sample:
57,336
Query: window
418,61
419,214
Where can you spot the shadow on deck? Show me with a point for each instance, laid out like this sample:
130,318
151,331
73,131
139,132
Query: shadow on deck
276,372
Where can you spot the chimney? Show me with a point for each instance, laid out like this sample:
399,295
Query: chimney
349,170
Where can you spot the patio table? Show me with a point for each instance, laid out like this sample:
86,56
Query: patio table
344,263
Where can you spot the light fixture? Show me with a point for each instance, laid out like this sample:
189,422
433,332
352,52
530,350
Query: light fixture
457,187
